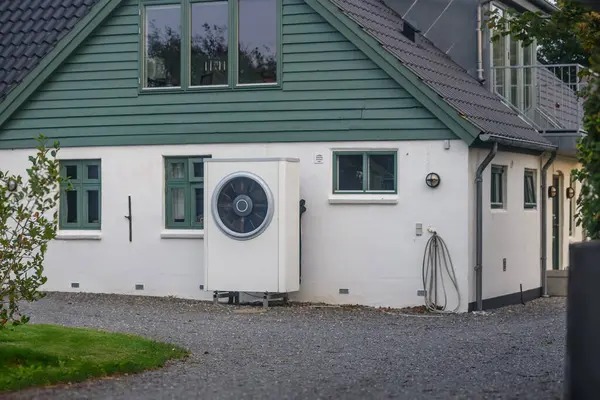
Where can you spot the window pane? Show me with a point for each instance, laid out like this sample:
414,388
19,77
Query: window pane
93,197
500,189
163,46
499,60
528,193
257,53
381,172
514,60
198,169
71,171
209,43
527,77
529,189
177,170
350,172
494,188
93,172
71,206
178,204
199,210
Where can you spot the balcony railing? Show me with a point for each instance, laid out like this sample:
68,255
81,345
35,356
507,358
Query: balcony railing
545,95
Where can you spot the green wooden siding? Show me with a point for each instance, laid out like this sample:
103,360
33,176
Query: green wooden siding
330,92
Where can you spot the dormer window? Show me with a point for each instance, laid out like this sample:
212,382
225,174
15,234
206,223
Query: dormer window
187,44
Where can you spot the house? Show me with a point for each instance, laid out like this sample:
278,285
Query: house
140,92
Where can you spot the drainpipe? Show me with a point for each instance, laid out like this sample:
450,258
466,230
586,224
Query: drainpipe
479,226
544,226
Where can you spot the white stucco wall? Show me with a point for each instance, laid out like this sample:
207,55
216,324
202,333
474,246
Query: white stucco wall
512,233
370,249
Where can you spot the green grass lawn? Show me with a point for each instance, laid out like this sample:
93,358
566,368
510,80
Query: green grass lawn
32,355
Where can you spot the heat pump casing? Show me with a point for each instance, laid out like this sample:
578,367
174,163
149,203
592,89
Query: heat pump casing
268,261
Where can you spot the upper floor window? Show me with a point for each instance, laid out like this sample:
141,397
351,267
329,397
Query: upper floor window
513,68
189,43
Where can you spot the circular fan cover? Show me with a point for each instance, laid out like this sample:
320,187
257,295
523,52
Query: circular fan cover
242,205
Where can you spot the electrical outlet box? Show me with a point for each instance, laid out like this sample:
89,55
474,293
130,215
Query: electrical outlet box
419,229
344,291
421,292
504,264
75,285
139,287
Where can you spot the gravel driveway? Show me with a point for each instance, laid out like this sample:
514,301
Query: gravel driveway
304,352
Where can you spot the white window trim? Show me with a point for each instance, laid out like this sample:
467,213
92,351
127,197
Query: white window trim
182,234
78,235
363,199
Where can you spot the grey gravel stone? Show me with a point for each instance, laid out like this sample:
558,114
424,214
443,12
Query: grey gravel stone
307,352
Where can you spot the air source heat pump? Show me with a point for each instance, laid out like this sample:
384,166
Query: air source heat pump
251,225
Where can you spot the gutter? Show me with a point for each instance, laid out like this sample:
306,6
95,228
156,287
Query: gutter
544,227
546,5
515,142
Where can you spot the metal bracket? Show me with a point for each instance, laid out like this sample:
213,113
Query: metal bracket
129,217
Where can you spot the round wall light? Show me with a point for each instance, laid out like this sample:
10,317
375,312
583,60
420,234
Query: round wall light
552,191
570,193
11,185
433,180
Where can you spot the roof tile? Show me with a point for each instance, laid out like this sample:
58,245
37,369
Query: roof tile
484,109
29,29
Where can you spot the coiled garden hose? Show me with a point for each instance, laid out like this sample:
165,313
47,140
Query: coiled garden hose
436,261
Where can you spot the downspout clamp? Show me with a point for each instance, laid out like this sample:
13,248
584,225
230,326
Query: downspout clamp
479,226
544,226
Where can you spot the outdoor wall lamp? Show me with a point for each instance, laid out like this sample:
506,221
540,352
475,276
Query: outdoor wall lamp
11,185
570,193
433,180
552,192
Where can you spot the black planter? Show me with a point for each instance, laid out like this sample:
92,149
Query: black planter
582,361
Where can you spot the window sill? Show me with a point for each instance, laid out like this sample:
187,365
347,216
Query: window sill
78,235
182,234
363,199
211,88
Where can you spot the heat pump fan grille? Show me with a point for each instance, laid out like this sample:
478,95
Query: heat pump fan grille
242,205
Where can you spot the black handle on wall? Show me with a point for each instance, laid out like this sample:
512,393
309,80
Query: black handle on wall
129,218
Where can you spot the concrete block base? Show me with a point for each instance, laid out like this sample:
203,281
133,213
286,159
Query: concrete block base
557,282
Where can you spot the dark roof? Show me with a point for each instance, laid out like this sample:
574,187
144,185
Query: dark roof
29,30
438,71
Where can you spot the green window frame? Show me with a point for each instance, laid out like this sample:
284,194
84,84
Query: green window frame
364,176
233,42
85,178
529,189
184,182
498,189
